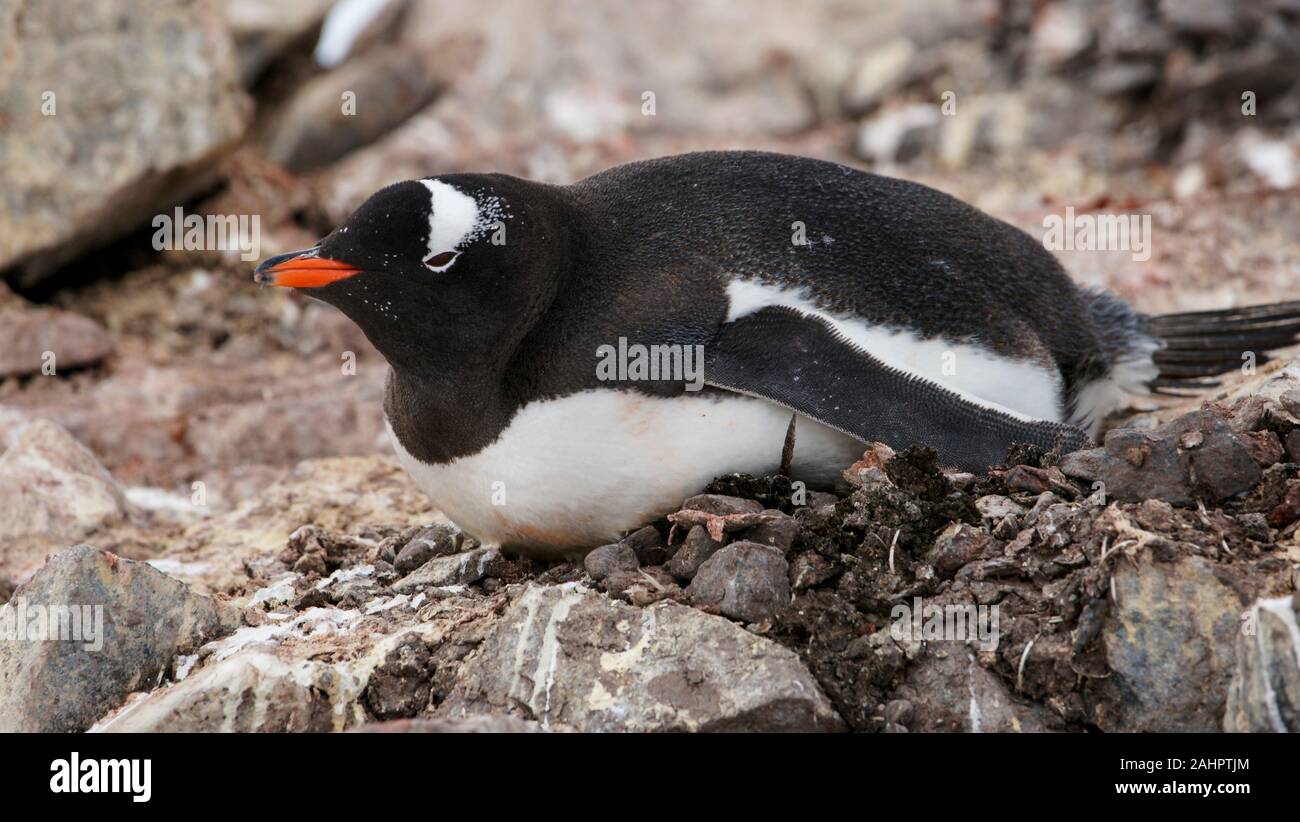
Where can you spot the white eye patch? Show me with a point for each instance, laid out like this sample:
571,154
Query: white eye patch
453,220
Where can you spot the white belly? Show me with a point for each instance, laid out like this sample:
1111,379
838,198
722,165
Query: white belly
580,471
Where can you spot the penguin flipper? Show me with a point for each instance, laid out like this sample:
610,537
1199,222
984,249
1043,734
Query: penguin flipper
801,362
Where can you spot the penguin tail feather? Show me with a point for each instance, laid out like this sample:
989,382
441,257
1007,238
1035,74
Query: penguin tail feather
1197,345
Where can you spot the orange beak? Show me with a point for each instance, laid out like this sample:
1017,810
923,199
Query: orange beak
302,269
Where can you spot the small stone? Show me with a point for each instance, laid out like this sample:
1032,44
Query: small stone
898,711
777,530
997,507
721,505
870,470
695,550
810,569
958,545
610,559
744,581
399,688
1028,478
648,544
418,545
1293,445
458,569
308,564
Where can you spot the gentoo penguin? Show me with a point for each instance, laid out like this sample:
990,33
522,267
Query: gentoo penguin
863,307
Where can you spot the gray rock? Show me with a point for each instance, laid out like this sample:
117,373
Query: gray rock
135,620
457,569
564,654
1194,457
950,691
900,134
1169,636
253,691
744,581
152,99
777,530
425,544
1264,696
694,550
610,559
721,505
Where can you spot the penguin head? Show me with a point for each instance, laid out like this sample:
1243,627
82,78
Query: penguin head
457,260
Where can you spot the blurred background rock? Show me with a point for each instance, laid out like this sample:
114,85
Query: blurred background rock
175,368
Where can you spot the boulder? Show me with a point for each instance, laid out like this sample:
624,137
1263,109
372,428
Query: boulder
564,654
120,625
97,144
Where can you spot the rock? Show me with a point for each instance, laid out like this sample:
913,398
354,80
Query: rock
1196,456
744,581
996,507
33,339
949,691
251,692
1264,696
721,505
6,590
262,32
1061,32
957,545
52,492
694,551
563,654
871,468
885,69
777,530
457,569
609,559
151,101
399,688
484,724
1288,510
134,620
426,543
1263,446
897,135
648,544
810,569
1169,637
318,126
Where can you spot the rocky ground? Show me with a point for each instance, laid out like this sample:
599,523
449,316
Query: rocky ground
214,451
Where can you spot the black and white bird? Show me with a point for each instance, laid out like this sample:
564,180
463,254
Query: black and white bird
871,308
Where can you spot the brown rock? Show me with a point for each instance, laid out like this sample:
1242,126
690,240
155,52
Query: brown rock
1194,457
694,551
1264,447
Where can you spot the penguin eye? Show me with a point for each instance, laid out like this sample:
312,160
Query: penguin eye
441,261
